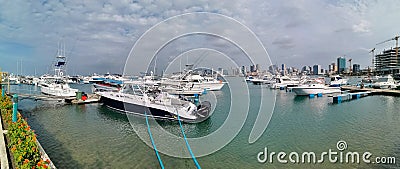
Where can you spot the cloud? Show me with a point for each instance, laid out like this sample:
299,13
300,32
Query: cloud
104,31
284,42
362,27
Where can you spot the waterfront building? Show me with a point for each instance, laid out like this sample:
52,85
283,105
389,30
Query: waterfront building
252,68
341,63
273,69
306,70
330,69
257,68
356,68
387,62
317,70
335,68
284,70
243,70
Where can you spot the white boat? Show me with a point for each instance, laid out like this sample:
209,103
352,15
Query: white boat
136,99
249,78
385,82
283,82
58,88
337,81
183,90
314,87
264,80
197,81
13,80
56,85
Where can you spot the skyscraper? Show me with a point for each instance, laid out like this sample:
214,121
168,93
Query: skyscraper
356,68
317,70
341,63
283,69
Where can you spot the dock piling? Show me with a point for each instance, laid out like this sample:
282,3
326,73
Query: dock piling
15,107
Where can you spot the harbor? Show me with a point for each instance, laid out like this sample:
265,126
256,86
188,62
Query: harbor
97,110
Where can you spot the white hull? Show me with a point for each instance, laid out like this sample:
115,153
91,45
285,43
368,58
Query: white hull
385,82
58,91
305,91
209,86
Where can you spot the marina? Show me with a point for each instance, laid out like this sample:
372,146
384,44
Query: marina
173,84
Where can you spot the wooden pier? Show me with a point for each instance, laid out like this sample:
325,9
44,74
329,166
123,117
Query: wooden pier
92,98
385,92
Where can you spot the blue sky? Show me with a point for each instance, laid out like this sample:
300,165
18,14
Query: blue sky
100,34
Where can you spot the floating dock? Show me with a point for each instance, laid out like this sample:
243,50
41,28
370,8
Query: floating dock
349,96
385,92
91,98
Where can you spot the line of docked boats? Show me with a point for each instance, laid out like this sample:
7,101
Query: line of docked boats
307,85
161,98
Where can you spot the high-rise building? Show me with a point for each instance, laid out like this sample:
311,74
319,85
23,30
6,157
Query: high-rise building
257,68
283,69
273,69
244,71
306,70
387,61
252,68
317,70
356,68
341,62
335,68
330,68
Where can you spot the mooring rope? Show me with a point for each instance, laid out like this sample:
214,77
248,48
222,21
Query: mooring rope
152,142
187,143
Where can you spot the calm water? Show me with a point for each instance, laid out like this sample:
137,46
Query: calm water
92,136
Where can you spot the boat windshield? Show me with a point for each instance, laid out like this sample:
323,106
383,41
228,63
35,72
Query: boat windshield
133,89
383,79
335,78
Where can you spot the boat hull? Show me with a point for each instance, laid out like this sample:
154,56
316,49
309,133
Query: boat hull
58,92
135,109
305,91
142,110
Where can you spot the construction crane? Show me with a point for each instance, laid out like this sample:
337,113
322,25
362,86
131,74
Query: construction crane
396,38
373,55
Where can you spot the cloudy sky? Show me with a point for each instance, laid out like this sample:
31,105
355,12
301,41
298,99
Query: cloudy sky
100,34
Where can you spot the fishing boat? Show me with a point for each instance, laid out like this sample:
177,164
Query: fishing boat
137,99
57,85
